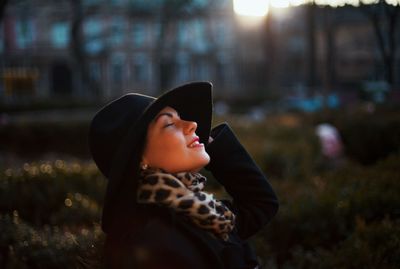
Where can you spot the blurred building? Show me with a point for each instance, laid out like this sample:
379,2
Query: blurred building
117,46
346,51
81,49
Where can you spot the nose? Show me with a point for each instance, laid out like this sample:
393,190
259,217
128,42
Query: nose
190,127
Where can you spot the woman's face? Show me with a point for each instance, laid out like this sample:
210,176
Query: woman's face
172,144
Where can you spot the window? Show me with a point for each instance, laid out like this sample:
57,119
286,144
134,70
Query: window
141,68
222,67
222,32
117,69
198,29
201,70
138,33
223,3
155,31
117,2
92,30
90,2
183,33
200,3
60,34
183,68
95,71
24,33
117,31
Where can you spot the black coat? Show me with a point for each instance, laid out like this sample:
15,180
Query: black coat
164,239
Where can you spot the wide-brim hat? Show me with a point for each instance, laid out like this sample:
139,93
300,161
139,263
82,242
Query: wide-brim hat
117,134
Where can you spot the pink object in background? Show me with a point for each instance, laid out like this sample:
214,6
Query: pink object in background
331,143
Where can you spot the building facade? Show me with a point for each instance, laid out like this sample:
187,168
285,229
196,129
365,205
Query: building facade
120,46
85,49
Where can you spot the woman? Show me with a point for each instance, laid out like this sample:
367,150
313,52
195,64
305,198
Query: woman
156,214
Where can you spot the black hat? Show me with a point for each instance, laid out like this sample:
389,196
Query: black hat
117,133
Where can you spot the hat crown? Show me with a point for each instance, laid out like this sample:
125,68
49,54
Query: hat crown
111,124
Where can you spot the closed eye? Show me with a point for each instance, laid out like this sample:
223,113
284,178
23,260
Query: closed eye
168,124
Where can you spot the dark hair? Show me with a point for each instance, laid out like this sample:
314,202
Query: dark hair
125,206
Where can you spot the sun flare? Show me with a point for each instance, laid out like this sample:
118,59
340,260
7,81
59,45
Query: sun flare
256,8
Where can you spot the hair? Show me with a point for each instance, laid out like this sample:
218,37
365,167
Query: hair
124,205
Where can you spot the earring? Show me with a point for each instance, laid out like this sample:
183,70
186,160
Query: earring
144,166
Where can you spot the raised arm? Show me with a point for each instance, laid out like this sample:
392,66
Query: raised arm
254,201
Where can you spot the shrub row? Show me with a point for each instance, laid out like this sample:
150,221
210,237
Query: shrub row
53,193
347,218
327,217
24,246
33,139
344,218
369,133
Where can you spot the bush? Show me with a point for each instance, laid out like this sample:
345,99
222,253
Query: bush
23,246
50,214
284,146
320,213
369,134
53,192
374,245
32,139
343,218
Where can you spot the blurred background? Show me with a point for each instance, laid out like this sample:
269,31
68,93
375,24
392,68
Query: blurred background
312,88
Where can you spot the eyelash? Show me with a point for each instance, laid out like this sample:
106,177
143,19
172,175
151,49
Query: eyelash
169,124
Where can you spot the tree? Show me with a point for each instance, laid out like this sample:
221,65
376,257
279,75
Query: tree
171,11
3,4
385,20
77,47
311,57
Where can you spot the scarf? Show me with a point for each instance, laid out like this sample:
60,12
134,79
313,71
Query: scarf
183,193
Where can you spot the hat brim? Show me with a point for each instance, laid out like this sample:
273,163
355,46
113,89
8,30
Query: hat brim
193,101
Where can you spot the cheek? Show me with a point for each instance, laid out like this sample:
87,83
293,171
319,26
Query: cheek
168,145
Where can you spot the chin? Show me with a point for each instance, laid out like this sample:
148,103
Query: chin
201,163
205,159
205,162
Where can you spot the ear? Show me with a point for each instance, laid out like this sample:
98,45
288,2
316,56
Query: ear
144,164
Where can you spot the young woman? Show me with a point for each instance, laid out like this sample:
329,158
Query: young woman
156,214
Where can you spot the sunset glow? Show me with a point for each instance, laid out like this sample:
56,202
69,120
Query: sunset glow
256,8
259,8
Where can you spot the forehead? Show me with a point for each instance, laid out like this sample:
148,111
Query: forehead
167,109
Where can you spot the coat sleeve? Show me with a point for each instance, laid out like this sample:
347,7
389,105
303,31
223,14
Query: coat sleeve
254,201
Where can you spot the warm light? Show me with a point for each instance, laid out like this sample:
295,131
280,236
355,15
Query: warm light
393,2
280,3
297,2
257,8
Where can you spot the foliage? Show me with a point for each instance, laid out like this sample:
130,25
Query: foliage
343,216
369,133
23,246
53,193
322,216
283,146
29,139
50,214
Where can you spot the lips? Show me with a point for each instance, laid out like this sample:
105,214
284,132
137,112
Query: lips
195,143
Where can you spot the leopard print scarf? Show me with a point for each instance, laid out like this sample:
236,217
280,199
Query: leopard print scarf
183,193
